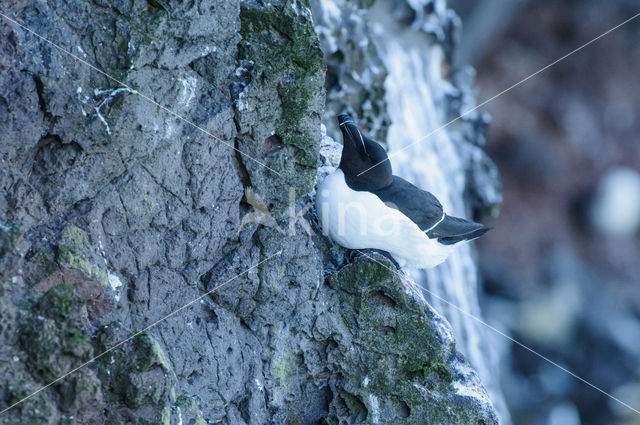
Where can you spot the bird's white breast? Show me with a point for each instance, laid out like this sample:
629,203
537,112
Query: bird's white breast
360,220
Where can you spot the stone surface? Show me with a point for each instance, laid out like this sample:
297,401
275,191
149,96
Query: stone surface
397,357
115,213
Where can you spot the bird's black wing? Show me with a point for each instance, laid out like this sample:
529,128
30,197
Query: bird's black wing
425,210
420,206
455,229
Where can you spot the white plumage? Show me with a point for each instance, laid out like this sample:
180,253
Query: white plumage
360,220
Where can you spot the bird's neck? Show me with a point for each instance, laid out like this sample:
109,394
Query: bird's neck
366,182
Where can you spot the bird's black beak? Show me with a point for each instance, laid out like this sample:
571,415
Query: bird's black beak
351,133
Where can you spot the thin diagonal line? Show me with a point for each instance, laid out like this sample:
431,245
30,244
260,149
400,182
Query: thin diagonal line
477,319
144,96
138,333
392,154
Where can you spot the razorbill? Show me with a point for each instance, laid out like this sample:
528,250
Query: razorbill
362,207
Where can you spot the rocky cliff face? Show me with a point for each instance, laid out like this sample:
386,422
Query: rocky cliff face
126,193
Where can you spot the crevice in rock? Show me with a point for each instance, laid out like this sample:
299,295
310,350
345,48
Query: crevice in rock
40,92
243,408
351,407
225,263
386,330
155,180
381,298
402,409
243,173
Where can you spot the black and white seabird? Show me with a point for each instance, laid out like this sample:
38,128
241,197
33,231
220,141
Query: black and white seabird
362,207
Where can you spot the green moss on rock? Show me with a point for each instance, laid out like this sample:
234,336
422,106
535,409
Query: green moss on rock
287,18
149,354
190,409
137,374
135,25
52,333
60,303
75,251
279,40
402,370
36,410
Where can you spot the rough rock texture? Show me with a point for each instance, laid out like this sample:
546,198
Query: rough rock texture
400,365
115,212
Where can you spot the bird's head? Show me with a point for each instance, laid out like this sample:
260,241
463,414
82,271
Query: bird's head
359,155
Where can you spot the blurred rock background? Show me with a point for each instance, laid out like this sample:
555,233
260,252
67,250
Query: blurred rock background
561,266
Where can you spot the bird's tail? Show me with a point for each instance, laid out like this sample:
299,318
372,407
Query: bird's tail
452,230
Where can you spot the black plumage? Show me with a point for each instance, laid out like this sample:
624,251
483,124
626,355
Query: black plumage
426,211
367,168
420,206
